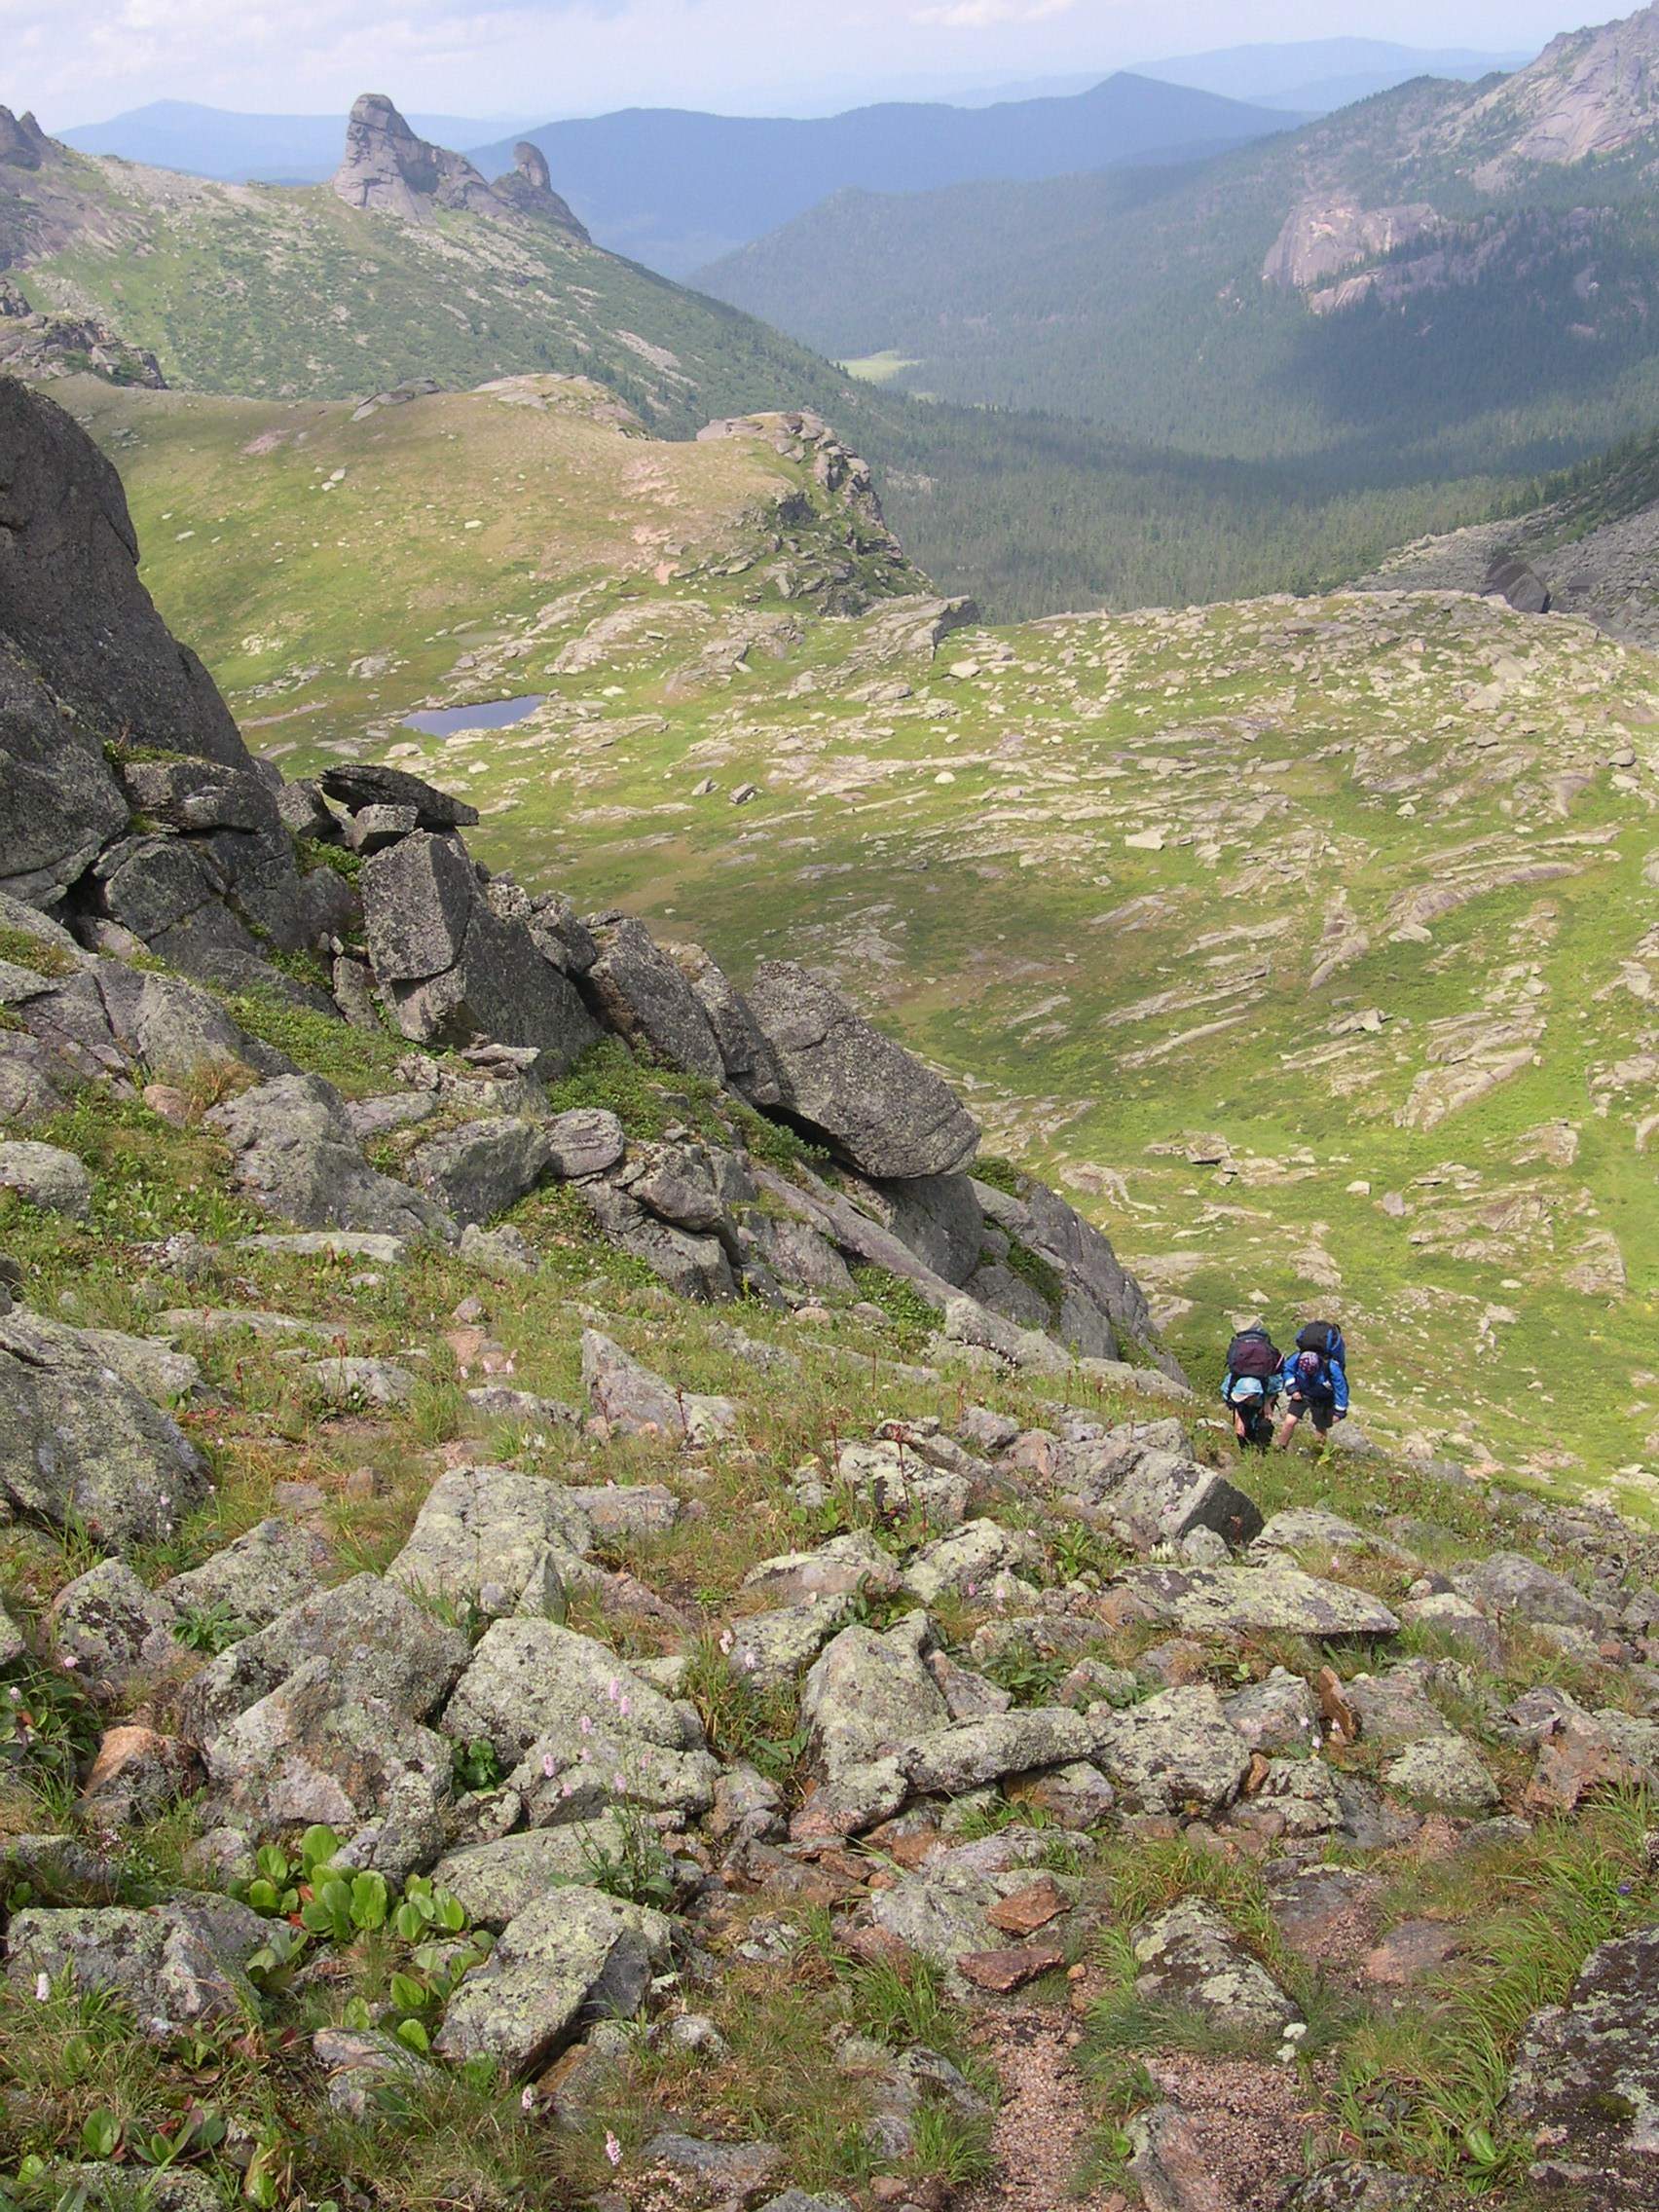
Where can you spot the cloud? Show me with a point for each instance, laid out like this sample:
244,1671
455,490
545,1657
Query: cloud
991,14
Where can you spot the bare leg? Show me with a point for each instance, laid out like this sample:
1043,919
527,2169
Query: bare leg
1287,1429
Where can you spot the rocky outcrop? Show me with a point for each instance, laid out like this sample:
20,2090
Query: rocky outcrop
389,170
455,967
41,348
24,144
528,186
853,1088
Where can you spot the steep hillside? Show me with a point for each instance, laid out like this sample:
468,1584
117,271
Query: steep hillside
675,190
488,1720
1310,945
310,293
1443,282
1594,547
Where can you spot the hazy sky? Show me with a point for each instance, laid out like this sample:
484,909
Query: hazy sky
80,60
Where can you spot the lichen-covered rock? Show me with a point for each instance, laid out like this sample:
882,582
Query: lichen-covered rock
897,1480
1278,1715
271,1568
78,1444
348,1383
730,2174
867,1697
868,1098
1260,1601
637,1402
110,1628
177,1966
1584,2079
846,1564
323,1748
1166,1495
373,1636
769,1650
1359,2186
485,1529
981,1561
585,1141
482,1168
295,1155
1509,1583
1443,1773
1294,1797
695,1265
1395,1708
645,997
46,1176
583,1727
939,1217
1193,1961
455,970
950,1761
1175,1754
751,1069
576,1955
497,1881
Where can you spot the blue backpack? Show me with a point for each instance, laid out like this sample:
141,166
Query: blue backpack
1325,1339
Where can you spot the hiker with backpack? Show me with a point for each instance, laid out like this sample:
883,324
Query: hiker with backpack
1315,1381
1250,1387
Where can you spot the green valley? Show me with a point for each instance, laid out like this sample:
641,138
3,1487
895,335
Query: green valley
1308,944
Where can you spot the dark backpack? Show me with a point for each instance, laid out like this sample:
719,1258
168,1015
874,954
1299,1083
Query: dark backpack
1252,1351
1326,1338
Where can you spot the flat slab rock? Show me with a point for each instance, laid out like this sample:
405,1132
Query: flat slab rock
175,1965
1267,1600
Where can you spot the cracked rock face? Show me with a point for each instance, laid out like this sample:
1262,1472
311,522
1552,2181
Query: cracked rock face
1584,2078
458,972
865,1097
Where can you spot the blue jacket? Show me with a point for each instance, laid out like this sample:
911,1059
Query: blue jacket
1332,1383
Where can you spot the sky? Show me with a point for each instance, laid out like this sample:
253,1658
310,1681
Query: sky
76,61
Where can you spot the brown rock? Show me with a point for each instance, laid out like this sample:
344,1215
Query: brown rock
1409,1952
1001,1971
1029,1910
1342,1722
136,1773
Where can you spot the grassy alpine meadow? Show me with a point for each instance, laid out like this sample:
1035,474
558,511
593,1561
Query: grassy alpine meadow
1307,945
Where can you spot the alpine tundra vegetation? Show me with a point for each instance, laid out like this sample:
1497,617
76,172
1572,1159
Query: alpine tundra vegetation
629,1146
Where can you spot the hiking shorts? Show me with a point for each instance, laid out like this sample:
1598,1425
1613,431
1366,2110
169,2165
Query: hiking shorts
1321,1412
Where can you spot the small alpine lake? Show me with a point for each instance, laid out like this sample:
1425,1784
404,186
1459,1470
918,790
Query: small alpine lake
490,714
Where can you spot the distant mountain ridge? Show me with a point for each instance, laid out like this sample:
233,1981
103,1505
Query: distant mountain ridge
674,188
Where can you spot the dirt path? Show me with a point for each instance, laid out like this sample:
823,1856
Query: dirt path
1247,2121
1044,2125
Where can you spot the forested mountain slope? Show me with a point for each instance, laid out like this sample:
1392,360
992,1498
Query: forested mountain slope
1445,282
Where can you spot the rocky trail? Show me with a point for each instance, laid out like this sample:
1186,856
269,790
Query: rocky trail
593,1617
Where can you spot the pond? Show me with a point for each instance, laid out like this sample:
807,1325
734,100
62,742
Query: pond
493,714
